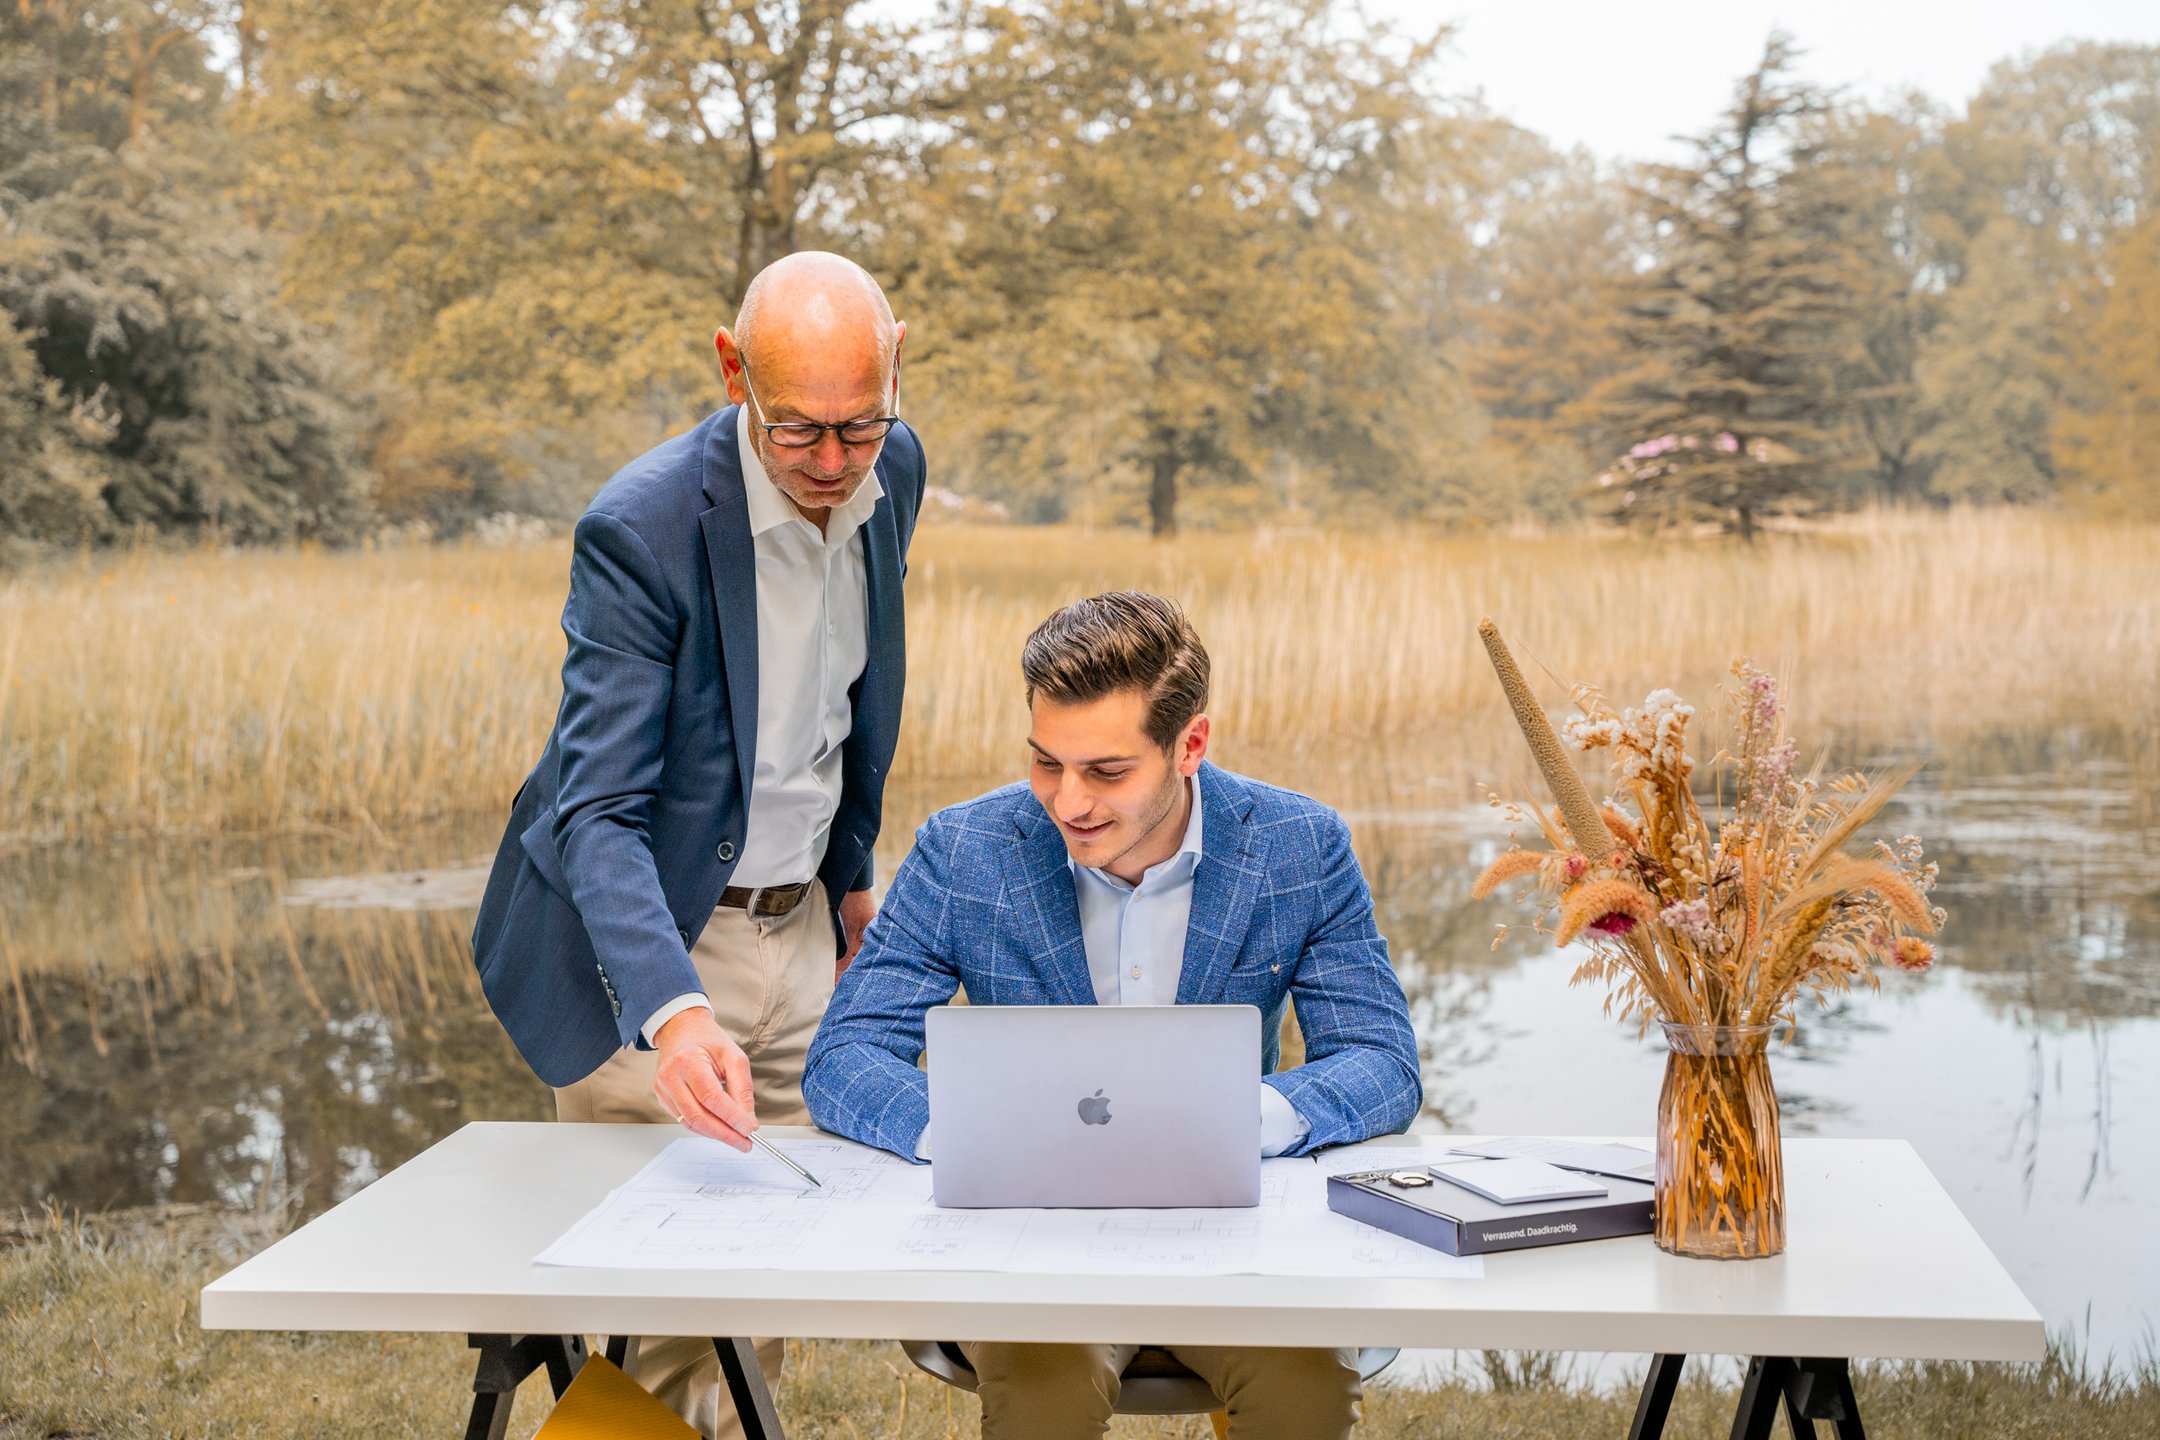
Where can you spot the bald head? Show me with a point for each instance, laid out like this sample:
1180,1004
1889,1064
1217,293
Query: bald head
815,341
819,310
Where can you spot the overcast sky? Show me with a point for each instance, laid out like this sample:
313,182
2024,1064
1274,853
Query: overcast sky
1623,78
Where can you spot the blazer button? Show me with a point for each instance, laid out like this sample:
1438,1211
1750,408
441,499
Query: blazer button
685,938
726,852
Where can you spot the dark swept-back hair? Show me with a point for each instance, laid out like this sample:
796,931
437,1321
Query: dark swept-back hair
1126,640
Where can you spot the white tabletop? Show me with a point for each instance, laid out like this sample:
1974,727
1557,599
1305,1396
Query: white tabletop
1880,1263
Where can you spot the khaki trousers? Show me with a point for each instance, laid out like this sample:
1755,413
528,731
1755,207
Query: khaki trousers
1066,1392
769,982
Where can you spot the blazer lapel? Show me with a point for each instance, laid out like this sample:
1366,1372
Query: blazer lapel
1046,909
733,561
1226,887
877,706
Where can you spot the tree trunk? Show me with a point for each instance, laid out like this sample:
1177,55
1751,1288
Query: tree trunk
1162,493
145,54
1744,523
250,45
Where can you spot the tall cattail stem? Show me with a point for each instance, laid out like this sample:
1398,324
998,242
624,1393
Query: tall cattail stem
1585,825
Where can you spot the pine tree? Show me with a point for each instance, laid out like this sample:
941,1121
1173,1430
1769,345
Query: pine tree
1737,333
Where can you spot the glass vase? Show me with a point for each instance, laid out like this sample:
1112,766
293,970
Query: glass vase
1720,1172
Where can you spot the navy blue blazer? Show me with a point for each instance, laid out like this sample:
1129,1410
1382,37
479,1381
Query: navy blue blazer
623,836
985,902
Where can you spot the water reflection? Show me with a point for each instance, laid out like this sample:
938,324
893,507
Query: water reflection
273,1024
181,1030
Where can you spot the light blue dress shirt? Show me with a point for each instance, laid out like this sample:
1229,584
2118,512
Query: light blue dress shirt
1135,941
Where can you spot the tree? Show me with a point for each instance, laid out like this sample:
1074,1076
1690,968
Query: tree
1184,244
162,368
2107,431
532,218
49,468
1878,163
1538,323
1985,378
2053,158
1737,332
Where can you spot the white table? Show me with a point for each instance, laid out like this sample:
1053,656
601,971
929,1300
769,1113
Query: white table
1880,1264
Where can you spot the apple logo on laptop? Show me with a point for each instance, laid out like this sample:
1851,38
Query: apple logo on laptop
1094,1110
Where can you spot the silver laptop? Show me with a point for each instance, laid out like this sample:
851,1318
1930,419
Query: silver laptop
1087,1106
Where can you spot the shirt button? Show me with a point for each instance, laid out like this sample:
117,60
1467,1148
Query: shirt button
1136,972
726,852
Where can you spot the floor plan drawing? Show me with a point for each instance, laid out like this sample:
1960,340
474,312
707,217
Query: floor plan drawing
699,1204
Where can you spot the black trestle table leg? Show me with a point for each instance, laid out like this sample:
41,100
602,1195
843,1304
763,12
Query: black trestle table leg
746,1386
1808,1390
505,1361
1657,1394
1822,1390
1759,1397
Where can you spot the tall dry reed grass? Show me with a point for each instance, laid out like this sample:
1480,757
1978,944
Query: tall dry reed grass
250,691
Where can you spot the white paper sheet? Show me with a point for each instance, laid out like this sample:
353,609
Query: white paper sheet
1625,1162
701,1205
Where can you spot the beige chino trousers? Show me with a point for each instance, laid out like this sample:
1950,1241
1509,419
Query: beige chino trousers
769,982
1066,1392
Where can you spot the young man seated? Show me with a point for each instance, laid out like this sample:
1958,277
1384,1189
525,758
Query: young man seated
1181,883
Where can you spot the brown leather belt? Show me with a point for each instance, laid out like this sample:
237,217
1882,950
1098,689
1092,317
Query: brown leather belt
767,902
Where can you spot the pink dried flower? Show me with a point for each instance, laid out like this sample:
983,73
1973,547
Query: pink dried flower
1616,922
1577,865
1912,954
1691,920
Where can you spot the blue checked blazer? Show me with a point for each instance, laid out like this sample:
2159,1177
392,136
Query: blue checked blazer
985,902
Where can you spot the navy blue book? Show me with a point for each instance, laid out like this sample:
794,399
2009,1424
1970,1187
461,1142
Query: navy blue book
1448,1217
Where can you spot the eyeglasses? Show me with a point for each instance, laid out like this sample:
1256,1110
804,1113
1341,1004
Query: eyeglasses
802,434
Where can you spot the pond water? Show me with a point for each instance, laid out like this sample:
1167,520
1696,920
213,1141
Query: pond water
275,1024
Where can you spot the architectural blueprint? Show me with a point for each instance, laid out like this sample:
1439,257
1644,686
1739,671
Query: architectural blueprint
700,1205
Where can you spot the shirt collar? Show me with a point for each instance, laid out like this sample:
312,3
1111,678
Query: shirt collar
1180,865
770,507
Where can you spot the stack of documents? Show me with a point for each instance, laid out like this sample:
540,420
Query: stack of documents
1509,1194
701,1205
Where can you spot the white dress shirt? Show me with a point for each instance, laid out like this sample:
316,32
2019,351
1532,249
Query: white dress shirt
1135,941
813,641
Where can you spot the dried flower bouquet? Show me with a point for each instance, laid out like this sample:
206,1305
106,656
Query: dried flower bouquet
1701,923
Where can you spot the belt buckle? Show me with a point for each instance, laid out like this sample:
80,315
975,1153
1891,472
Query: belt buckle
757,897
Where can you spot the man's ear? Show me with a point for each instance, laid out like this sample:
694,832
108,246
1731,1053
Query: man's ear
731,367
1192,746
899,339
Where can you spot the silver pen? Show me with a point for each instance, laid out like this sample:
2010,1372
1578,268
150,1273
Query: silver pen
758,1141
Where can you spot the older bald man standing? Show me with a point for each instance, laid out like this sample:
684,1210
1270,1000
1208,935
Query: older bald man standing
687,869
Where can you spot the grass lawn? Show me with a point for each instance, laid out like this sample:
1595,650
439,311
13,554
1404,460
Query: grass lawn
98,1338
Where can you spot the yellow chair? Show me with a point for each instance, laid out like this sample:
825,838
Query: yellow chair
605,1404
